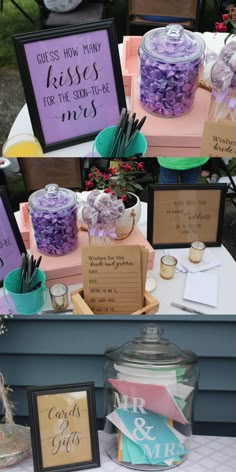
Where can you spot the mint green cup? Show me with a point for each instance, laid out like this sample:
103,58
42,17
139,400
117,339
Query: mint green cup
24,303
103,140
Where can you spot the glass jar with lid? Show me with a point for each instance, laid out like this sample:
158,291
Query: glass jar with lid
53,213
150,384
169,64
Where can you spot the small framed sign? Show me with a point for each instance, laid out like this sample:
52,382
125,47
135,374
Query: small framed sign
72,81
11,242
63,427
180,214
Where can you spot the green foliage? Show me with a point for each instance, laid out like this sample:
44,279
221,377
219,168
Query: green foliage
119,179
12,21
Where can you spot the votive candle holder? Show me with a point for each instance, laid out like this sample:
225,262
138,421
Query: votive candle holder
196,251
167,267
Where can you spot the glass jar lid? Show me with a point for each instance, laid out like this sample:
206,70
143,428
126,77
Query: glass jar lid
150,348
173,44
52,198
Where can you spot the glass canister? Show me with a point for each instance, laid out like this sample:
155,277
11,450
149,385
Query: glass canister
169,64
150,385
53,213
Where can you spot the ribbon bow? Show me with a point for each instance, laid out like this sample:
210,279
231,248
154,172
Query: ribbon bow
102,232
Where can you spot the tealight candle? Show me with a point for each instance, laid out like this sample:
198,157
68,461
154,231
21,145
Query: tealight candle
59,296
167,267
196,251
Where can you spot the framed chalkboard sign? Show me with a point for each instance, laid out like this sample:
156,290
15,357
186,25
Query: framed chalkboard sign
180,214
63,427
11,242
72,81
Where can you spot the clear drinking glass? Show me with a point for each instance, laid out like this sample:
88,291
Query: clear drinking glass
22,145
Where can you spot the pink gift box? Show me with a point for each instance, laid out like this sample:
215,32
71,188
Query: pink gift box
24,224
67,269
129,60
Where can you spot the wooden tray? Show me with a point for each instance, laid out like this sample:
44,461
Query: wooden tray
80,307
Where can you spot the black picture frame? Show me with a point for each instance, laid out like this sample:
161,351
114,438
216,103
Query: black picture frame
171,221
57,125
46,447
11,242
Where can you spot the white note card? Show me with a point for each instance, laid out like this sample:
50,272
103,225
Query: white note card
202,287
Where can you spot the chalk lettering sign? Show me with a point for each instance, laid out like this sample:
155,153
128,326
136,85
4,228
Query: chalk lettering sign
72,82
180,214
63,431
11,243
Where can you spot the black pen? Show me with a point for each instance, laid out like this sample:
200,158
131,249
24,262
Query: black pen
35,287
22,269
141,123
136,130
36,266
117,131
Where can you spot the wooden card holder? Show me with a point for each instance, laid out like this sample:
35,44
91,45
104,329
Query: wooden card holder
80,307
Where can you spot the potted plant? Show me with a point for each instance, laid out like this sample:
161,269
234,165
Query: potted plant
228,23
120,179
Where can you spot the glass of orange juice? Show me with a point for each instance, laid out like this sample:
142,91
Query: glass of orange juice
22,145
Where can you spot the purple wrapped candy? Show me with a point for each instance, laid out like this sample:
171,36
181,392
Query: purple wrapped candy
108,215
103,200
56,234
53,214
89,215
105,216
119,206
92,195
169,63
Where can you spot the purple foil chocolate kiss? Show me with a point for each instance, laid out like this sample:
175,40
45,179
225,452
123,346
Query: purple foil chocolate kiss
167,90
56,233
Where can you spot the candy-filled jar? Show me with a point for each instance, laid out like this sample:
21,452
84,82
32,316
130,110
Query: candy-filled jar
150,385
53,214
169,65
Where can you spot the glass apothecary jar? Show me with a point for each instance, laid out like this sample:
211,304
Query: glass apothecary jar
53,214
169,65
150,385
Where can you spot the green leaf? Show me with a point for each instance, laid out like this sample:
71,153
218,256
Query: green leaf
137,186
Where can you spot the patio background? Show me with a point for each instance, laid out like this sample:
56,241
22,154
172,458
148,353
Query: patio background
13,22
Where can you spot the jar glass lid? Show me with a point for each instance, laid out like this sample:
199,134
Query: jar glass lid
173,44
52,198
150,348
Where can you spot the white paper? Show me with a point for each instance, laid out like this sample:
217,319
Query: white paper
208,262
184,265
149,376
202,287
180,390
